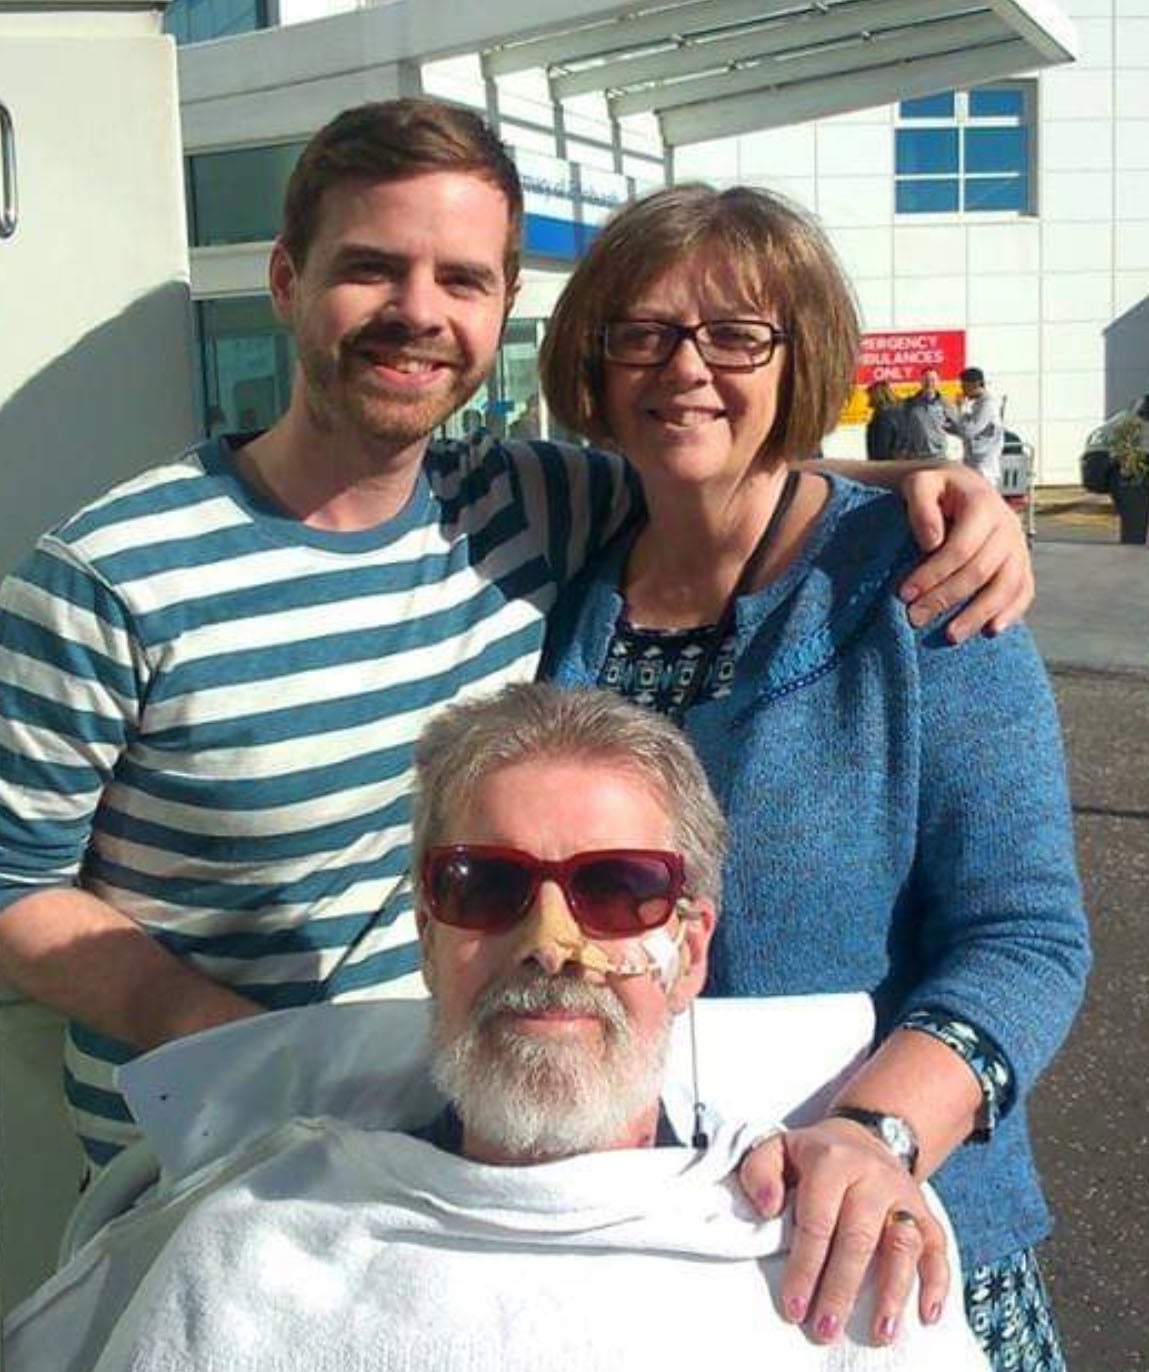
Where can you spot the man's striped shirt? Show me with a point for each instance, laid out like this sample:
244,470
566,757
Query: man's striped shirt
207,710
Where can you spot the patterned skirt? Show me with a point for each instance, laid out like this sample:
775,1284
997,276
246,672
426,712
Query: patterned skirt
1008,1310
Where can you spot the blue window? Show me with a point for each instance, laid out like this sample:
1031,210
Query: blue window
926,150
995,149
995,193
929,107
919,196
246,361
237,196
195,21
966,152
997,102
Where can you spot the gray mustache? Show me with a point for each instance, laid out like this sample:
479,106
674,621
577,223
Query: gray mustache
537,992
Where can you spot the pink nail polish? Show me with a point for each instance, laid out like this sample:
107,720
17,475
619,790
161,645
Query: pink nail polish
764,1199
887,1329
796,1309
827,1327
934,1313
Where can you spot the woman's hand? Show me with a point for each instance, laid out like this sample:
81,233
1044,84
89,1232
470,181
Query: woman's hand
852,1200
978,552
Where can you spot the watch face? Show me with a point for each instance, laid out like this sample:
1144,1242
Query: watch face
894,1133
898,1137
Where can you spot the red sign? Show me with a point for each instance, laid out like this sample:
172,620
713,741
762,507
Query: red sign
902,357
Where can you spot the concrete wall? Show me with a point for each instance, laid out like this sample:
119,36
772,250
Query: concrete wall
95,362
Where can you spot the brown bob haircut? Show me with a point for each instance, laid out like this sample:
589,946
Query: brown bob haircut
392,140
881,395
779,261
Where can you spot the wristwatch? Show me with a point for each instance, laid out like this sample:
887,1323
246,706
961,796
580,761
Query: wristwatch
894,1131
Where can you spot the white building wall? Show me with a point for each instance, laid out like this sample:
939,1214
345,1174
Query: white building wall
1055,305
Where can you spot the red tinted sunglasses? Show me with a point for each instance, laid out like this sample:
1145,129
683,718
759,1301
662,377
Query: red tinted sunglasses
612,892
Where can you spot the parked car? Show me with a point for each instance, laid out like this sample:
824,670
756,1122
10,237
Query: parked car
1015,446
1098,465
1017,477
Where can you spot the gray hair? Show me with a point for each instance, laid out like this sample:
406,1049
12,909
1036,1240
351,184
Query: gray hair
463,744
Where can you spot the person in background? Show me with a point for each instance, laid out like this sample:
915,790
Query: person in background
884,430
216,421
927,416
898,807
472,421
528,423
979,426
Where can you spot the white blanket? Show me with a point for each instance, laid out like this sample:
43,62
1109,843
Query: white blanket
285,1239
330,1248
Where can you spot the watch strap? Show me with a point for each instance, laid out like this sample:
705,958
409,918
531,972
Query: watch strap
896,1132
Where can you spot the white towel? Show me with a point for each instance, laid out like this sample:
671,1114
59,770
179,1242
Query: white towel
329,1248
281,1238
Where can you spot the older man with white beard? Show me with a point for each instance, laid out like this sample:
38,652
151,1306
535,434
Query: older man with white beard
569,852
565,910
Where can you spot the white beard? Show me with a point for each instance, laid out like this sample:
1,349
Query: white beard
536,1097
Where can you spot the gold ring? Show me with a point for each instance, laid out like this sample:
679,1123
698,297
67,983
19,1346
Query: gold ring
903,1217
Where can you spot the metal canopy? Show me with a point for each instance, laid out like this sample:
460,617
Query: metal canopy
711,68
704,68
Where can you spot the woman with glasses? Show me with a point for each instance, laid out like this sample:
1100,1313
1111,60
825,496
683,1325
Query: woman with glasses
898,809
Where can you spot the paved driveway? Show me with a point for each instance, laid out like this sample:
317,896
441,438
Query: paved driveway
1091,1112
1092,605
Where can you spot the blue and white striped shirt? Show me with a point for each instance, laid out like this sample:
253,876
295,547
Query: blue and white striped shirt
207,710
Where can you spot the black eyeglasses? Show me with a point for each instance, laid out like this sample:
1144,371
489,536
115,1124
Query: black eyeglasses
727,344
612,892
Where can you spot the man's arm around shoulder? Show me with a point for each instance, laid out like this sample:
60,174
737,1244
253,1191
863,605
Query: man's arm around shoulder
577,499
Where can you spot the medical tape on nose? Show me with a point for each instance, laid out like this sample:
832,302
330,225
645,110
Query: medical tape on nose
656,954
552,924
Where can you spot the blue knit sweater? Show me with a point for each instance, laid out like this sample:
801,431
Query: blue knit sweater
900,821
